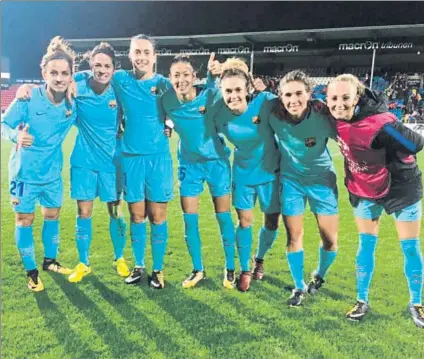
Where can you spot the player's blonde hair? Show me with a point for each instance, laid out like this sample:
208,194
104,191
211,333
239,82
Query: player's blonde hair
58,49
349,78
235,66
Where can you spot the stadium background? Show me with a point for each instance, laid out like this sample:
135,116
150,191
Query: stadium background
104,318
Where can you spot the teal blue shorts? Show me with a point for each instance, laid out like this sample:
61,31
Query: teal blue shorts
87,185
216,173
245,196
321,194
370,210
24,196
148,177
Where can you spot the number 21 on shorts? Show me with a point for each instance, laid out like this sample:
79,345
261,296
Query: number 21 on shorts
16,188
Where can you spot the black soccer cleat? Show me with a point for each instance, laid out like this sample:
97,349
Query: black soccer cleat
315,284
358,312
417,314
296,298
137,274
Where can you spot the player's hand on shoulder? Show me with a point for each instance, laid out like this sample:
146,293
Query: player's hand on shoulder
71,92
24,91
24,139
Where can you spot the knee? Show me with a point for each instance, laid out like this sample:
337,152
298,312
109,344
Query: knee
271,223
137,216
84,213
329,243
24,220
295,236
157,218
51,216
245,221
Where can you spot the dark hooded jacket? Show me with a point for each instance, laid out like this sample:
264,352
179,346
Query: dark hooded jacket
399,141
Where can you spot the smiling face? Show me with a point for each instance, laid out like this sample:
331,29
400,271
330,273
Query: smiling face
182,77
294,97
142,56
58,75
342,97
102,68
234,93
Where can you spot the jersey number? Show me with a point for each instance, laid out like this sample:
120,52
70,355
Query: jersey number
181,174
16,188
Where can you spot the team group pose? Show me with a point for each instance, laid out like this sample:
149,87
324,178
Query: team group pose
38,127
306,175
255,167
280,159
202,157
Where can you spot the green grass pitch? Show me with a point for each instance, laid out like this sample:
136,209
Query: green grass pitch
102,317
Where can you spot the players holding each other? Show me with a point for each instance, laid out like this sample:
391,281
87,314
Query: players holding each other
39,126
306,175
255,169
202,157
381,173
95,159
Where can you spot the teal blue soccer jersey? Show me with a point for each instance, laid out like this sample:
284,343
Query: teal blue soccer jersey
97,121
144,125
42,162
256,156
193,121
303,144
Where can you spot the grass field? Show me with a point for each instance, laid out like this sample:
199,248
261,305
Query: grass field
102,317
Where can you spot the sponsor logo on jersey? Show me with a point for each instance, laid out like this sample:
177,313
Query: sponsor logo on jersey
310,142
256,120
112,103
202,109
154,90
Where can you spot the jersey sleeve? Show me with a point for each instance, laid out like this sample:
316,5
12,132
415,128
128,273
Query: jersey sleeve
15,115
396,136
211,81
82,75
161,109
270,101
165,85
216,105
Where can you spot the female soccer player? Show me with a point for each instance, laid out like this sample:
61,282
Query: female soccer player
38,127
95,159
256,163
306,175
146,159
202,157
381,174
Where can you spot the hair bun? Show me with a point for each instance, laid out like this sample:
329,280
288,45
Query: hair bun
235,63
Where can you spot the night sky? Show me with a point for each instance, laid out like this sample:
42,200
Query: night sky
28,26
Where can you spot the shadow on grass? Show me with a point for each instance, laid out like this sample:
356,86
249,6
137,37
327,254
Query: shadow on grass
57,324
284,324
272,280
202,322
113,338
132,315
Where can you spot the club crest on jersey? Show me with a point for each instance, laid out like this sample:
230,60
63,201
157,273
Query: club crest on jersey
256,120
202,109
68,113
310,142
154,90
112,103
